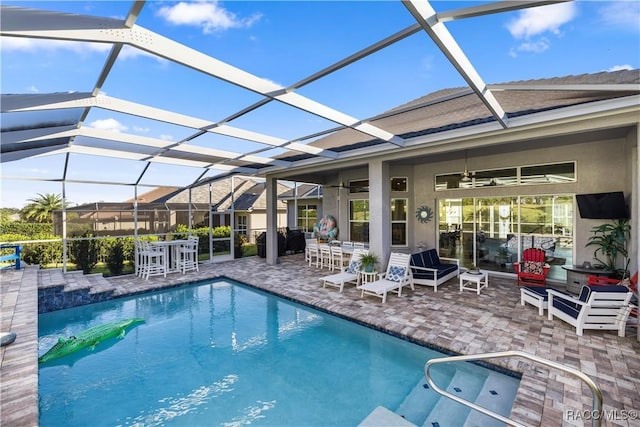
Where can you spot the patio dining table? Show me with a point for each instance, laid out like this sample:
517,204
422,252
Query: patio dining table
171,255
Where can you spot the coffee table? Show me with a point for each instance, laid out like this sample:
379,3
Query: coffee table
474,282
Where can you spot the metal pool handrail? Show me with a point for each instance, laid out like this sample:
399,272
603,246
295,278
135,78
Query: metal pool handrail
595,389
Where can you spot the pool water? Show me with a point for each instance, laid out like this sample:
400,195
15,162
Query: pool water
220,353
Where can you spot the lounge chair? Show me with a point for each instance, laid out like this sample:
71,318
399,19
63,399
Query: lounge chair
397,275
349,274
598,307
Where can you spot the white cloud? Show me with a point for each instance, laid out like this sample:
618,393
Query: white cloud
209,16
624,14
22,44
140,129
108,124
539,20
33,89
165,137
537,46
620,67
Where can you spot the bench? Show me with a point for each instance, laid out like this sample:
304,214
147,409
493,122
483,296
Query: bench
430,269
14,258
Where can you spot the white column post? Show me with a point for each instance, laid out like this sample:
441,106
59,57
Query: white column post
379,210
272,221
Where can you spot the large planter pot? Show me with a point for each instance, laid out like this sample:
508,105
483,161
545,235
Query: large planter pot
367,268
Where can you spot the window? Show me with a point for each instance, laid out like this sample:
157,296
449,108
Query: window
359,220
307,217
241,226
548,174
359,186
399,222
552,173
399,184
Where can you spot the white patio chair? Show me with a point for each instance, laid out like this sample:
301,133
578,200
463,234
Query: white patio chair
312,253
338,258
325,256
188,255
153,260
398,274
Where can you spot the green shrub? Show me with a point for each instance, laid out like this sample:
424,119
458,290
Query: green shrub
84,253
115,258
25,228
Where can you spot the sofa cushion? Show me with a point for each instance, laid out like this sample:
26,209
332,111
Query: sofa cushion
443,270
416,259
584,293
571,308
568,307
612,288
542,292
431,258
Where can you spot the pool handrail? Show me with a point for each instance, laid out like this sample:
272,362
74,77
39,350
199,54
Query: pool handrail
595,389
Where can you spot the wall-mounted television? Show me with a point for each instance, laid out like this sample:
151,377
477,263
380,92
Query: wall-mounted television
602,205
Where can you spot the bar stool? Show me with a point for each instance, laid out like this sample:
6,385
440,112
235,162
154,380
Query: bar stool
188,255
153,261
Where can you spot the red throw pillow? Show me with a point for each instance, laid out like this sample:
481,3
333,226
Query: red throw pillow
533,267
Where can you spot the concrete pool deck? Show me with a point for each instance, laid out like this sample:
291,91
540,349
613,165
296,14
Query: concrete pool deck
456,322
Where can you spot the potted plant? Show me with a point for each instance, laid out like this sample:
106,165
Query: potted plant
368,261
611,242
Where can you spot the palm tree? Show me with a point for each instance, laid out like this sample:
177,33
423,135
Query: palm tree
41,208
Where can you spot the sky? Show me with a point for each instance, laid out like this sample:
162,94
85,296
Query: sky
286,41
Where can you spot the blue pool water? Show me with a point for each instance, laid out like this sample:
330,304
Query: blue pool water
220,353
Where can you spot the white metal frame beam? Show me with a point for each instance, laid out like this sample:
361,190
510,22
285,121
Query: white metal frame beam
29,23
426,16
62,100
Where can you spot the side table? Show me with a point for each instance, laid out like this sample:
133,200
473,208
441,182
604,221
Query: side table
474,282
367,277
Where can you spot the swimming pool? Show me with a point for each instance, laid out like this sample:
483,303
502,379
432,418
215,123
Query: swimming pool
220,353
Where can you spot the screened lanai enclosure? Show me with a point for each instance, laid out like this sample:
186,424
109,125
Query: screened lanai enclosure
110,104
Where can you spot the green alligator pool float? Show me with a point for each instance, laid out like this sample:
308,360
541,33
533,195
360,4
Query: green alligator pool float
89,338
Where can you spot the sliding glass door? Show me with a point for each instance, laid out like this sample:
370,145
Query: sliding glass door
491,233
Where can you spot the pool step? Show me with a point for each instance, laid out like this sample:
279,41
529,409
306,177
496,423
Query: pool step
58,290
425,407
51,277
422,398
382,417
493,396
448,413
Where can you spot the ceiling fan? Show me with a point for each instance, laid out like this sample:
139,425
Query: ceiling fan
343,185
466,175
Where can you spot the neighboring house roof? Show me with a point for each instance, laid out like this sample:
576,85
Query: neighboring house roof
153,196
303,191
246,193
460,107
